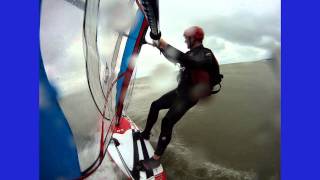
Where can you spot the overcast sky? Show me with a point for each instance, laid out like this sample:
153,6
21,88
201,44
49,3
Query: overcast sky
235,30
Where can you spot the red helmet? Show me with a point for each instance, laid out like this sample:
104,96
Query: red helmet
195,31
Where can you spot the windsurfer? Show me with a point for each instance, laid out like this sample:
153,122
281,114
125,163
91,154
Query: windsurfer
199,68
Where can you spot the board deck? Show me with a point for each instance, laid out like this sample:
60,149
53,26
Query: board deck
123,154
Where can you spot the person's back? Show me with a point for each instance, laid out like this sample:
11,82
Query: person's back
199,67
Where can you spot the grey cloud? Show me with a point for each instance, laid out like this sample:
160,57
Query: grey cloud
216,43
246,29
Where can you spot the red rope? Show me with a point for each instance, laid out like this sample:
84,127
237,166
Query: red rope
102,141
126,75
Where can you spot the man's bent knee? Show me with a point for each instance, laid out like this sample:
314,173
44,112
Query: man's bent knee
155,105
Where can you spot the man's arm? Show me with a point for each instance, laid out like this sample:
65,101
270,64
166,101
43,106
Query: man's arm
176,56
171,53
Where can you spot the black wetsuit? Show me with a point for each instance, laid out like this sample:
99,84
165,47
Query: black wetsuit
179,101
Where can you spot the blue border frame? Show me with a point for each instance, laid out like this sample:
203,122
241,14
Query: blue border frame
19,91
300,137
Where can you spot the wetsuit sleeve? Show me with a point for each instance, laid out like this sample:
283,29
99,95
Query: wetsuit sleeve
172,54
176,56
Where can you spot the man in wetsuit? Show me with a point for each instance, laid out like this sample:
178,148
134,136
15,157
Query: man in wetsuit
198,69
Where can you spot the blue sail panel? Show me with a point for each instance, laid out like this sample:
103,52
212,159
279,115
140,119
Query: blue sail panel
128,51
58,153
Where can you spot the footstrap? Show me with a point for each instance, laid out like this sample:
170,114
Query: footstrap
149,172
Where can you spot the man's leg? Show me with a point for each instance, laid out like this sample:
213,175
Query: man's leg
164,102
176,111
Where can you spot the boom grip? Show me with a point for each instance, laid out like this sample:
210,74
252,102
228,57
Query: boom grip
155,36
151,9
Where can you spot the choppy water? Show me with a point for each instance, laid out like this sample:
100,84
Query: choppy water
234,135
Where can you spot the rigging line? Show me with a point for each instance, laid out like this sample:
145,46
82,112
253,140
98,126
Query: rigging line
129,94
97,50
118,43
94,166
83,6
143,40
112,85
115,57
101,155
86,57
113,64
136,50
91,169
115,141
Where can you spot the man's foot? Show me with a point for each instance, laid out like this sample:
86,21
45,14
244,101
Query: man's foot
149,164
137,135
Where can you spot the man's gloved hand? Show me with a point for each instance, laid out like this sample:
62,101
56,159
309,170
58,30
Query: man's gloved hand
160,44
156,43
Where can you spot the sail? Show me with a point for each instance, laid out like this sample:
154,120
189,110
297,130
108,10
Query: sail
89,46
133,45
58,158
